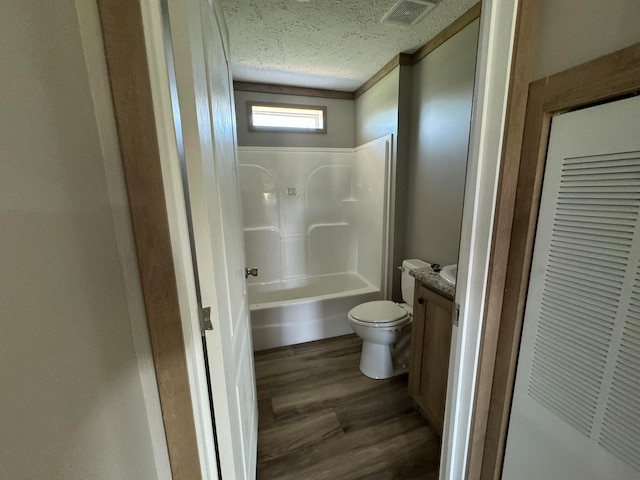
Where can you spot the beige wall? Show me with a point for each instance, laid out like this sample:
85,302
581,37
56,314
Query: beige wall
572,32
72,402
340,123
442,95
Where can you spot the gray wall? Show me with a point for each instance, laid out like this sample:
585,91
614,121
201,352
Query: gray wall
442,95
376,110
428,108
572,32
71,402
340,123
377,114
405,123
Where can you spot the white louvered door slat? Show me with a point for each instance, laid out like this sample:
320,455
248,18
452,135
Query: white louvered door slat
620,432
576,408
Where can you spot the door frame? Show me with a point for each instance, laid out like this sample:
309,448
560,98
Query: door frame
608,78
133,39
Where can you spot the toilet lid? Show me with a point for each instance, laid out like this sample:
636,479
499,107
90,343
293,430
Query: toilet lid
380,311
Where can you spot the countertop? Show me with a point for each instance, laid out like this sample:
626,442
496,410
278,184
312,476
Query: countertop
433,280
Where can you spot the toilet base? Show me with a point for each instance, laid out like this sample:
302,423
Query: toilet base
377,361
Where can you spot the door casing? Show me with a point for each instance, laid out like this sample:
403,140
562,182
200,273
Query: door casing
605,79
154,216
131,90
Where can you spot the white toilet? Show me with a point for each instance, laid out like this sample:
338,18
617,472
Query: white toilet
385,329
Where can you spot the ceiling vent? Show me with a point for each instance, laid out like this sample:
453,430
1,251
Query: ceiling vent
408,12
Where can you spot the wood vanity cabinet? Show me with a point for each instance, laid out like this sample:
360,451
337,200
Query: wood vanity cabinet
430,345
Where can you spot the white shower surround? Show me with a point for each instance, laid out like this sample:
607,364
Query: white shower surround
316,226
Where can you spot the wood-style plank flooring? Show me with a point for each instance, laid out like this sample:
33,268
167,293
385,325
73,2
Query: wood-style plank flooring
320,418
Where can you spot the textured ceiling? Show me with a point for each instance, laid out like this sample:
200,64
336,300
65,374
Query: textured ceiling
333,44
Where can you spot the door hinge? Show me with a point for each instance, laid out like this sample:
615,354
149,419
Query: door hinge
205,319
456,315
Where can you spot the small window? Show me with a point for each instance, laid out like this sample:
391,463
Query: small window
280,117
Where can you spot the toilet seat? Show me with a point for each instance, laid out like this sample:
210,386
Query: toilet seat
380,313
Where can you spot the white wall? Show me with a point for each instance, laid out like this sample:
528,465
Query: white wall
442,96
340,122
73,401
572,32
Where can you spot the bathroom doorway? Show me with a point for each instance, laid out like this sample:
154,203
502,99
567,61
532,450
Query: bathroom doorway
429,129
495,45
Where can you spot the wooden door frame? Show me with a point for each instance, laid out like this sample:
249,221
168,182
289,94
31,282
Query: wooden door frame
123,34
125,49
605,79
128,67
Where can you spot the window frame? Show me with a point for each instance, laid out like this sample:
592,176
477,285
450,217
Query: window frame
255,128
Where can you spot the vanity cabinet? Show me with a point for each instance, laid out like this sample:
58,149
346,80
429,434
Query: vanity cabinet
430,345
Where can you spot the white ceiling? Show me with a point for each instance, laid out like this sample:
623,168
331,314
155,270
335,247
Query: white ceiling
331,44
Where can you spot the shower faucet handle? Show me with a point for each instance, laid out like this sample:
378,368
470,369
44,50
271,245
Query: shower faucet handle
250,271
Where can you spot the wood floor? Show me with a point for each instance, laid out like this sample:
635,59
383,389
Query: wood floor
320,418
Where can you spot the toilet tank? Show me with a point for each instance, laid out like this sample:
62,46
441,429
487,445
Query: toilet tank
408,281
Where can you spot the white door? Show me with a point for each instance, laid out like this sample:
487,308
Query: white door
576,413
207,118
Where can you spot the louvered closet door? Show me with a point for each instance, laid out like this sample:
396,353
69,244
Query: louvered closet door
576,410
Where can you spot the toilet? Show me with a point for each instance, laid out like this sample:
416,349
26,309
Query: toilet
385,329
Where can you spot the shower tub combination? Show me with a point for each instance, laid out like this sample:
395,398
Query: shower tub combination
306,309
315,224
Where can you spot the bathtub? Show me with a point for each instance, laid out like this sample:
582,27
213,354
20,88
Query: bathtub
305,309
